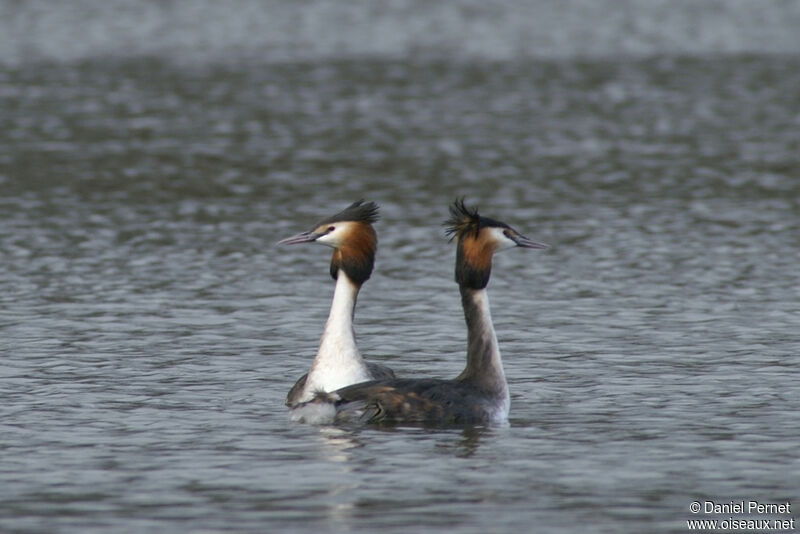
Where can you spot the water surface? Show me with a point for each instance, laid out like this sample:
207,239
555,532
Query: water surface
151,328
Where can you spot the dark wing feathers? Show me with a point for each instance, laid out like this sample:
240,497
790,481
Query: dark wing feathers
422,401
297,389
379,371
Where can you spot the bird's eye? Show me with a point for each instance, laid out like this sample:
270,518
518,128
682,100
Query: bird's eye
331,229
507,233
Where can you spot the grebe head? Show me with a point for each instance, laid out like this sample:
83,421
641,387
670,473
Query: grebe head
351,236
478,239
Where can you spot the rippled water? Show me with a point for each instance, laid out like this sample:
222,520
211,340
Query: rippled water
151,328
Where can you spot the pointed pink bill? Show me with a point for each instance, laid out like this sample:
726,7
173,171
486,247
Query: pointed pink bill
305,237
524,242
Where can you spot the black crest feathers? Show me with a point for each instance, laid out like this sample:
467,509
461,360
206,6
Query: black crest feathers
463,220
358,211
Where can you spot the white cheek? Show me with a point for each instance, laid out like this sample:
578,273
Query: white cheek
502,241
327,239
336,237
330,240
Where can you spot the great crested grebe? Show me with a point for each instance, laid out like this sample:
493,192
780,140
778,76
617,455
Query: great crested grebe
338,362
479,395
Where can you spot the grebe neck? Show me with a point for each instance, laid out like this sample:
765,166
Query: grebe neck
338,362
484,368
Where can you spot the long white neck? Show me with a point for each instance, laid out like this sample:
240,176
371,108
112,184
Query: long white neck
338,362
484,368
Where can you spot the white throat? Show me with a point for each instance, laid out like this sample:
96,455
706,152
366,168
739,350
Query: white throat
338,362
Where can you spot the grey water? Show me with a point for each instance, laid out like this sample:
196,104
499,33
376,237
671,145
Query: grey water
152,155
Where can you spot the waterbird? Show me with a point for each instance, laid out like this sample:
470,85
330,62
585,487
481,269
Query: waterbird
479,395
338,362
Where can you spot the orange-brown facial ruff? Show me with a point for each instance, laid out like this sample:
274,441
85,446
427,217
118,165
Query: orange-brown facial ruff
476,244
474,260
355,255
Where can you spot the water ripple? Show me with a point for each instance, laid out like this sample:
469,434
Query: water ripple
151,327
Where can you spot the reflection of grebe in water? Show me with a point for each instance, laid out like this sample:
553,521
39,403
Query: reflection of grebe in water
338,362
479,395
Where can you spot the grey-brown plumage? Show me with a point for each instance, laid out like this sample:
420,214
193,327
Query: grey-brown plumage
479,395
